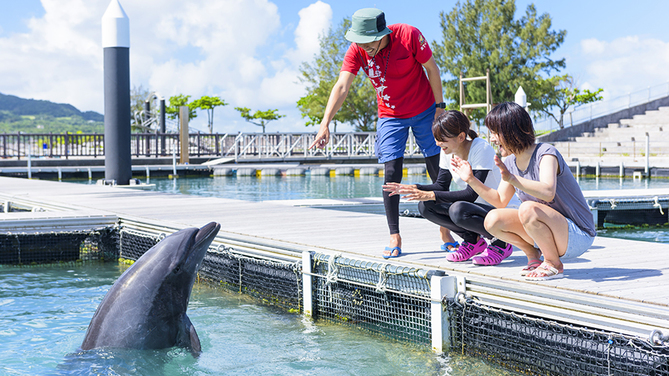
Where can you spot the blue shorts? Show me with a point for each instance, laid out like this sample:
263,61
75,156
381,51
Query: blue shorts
392,135
579,241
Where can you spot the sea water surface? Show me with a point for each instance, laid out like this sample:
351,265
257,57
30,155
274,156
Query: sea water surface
45,311
321,187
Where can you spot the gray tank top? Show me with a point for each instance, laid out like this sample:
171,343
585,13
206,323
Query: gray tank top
568,200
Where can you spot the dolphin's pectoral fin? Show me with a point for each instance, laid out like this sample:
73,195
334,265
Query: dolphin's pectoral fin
189,338
196,348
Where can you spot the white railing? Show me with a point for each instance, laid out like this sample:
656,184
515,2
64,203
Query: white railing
590,111
296,146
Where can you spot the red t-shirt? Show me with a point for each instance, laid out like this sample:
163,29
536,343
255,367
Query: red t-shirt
402,87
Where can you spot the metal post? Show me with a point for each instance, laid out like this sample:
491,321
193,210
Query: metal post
183,128
647,167
307,288
116,47
162,127
174,162
30,151
441,287
147,112
236,148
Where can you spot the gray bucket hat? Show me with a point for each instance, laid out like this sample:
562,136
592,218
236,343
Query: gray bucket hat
367,25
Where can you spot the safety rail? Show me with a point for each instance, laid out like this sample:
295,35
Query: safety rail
587,112
240,145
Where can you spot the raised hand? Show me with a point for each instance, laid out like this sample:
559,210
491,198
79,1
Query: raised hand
393,188
322,138
462,168
410,192
506,175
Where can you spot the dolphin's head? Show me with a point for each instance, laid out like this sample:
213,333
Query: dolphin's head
186,260
170,267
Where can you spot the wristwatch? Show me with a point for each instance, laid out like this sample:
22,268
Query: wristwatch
441,105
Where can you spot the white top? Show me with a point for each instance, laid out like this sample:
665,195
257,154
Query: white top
115,26
481,157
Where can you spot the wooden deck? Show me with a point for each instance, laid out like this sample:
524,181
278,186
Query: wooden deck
635,273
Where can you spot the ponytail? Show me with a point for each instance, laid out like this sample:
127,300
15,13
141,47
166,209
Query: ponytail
450,124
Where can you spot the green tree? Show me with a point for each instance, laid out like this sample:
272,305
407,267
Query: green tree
561,92
208,104
138,94
176,101
360,107
262,117
482,34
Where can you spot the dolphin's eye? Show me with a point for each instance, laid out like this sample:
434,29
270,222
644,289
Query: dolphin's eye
176,270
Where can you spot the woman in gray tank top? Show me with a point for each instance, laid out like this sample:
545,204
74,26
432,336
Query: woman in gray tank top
554,219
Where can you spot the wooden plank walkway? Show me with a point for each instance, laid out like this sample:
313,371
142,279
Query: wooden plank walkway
634,272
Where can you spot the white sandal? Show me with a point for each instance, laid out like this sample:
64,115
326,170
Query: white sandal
547,272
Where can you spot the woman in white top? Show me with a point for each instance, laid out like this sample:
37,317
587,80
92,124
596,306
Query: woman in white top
461,211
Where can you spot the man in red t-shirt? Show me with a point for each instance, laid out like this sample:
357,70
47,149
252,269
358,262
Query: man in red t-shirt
395,58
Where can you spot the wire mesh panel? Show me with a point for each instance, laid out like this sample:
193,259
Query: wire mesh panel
272,282
538,346
57,247
383,299
134,243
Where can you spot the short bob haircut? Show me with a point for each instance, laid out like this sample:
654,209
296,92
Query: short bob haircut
450,124
513,126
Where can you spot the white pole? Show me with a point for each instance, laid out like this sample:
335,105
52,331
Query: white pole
441,287
647,169
30,151
307,285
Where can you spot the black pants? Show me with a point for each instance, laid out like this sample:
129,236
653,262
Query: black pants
393,173
462,217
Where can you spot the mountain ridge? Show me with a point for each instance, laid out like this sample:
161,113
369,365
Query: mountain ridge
22,107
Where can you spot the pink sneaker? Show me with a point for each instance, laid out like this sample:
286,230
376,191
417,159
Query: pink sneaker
467,250
493,255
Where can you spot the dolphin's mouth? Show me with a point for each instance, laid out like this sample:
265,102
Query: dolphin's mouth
201,243
206,234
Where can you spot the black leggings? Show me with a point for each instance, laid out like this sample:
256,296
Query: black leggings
462,217
393,173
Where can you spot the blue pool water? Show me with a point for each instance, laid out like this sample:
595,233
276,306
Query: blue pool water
45,312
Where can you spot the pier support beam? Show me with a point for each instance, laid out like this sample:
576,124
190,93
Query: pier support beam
442,287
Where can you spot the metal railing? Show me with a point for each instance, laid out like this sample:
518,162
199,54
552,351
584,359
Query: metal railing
590,111
239,146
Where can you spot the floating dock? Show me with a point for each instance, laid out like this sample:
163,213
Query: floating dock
611,311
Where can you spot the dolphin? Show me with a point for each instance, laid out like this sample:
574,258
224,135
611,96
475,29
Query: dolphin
146,306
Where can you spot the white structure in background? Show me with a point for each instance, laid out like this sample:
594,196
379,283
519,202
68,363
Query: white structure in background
521,99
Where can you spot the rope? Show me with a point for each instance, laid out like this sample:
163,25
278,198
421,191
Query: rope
333,270
613,203
657,204
383,280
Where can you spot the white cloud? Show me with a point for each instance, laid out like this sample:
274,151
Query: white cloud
625,64
231,48
314,21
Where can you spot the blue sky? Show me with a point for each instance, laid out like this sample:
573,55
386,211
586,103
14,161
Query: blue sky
248,51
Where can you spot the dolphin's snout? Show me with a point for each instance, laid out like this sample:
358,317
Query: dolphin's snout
207,232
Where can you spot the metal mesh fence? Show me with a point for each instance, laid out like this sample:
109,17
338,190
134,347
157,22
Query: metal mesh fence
538,346
48,247
382,299
271,282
